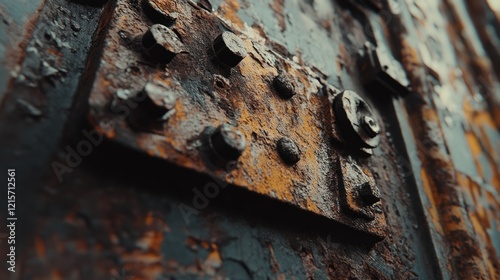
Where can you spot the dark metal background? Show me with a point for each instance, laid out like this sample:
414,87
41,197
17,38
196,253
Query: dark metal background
116,214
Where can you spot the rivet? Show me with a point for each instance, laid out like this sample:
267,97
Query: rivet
288,151
284,86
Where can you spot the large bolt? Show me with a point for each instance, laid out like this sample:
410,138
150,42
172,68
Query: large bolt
228,142
157,100
229,49
288,151
158,14
368,195
284,86
355,119
161,43
370,126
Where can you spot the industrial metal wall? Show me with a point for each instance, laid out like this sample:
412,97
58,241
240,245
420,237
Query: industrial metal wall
247,139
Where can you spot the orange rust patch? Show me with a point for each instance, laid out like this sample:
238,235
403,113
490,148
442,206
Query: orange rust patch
213,260
140,257
434,215
40,247
205,244
278,7
149,218
410,57
230,11
429,114
56,275
151,240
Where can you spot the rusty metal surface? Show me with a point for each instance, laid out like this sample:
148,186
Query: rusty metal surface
210,94
260,114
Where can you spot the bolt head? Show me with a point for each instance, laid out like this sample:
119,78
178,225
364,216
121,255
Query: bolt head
161,43
368,195
370,126
228,142
284,86
229,49
158,14
288,151
157,100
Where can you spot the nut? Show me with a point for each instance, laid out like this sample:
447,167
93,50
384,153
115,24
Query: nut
368,195
229,49
228,142
161,43
288,151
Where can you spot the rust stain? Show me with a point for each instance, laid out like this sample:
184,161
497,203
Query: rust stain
229,9
40,247
56,274
433,211
248,100
151,241
212,262
149,219
441,182
275,266
278,7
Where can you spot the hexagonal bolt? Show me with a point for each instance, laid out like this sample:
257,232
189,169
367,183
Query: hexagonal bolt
284,86
156,100
158,15
228,142
367,194
229,49
371,126
288,151
161,43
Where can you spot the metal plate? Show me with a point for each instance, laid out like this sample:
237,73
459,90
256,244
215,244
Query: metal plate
209,95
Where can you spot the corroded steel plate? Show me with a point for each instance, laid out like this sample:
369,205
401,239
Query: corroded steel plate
209,94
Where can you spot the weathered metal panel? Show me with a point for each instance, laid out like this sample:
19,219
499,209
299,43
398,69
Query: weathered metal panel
121,194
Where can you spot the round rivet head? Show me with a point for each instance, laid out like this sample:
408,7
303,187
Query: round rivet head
161,43
228,142
229,49
288,151
284,86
